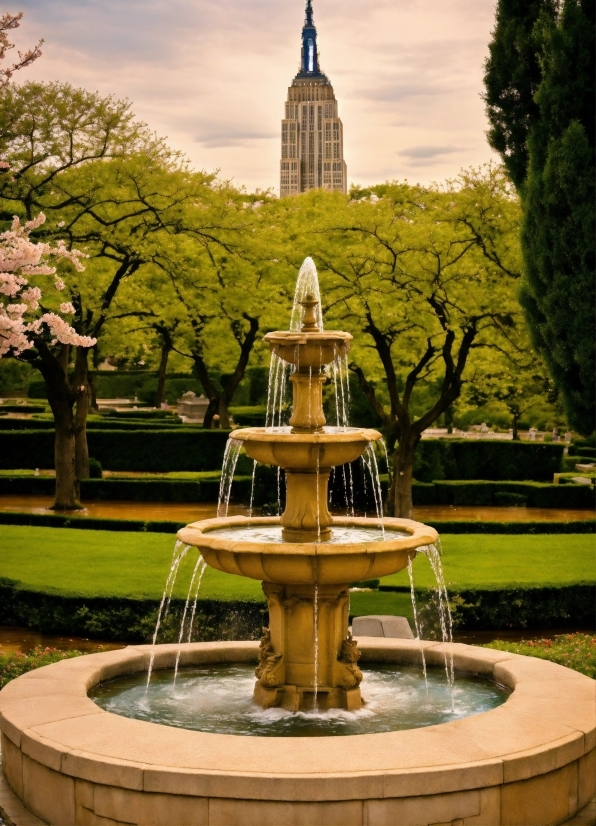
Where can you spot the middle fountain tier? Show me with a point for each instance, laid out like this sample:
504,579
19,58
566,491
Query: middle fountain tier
306,558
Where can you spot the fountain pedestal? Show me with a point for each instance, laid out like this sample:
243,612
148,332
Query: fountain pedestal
294,673
306,517
307,657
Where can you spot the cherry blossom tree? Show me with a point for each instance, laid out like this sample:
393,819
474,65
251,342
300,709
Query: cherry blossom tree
33,328
7,23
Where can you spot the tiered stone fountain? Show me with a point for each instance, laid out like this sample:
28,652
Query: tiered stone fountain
530,761
307,656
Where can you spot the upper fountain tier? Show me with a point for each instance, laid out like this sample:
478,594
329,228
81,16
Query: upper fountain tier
307,450
310,349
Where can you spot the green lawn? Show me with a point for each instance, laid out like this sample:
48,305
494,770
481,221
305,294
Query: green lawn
105,563
471,560
109,563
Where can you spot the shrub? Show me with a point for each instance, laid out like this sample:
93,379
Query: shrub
577,651
118,618
480,415
249,416
537,494
438,459
95,469
590,441
140,414
586,452
37,389
46,422
14,664
22,408
517,500
150,450
258,378
14,376
514,607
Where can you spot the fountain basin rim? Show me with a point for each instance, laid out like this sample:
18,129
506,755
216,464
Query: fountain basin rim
298,337
270,435
547,723
197,534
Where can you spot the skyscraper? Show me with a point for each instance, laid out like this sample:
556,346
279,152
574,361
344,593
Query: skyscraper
312,146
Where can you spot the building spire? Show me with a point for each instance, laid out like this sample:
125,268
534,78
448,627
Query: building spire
309,20
309,63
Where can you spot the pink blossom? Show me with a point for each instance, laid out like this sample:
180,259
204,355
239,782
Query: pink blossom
20,257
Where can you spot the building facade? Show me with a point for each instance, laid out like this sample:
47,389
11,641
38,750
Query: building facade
312,145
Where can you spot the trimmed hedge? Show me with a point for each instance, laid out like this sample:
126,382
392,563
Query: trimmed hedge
127,619
249,416
134,620
88,523
486,493
484,609
56,520
459,527
22,408
146,450
138,414
94,424
149,490
491,459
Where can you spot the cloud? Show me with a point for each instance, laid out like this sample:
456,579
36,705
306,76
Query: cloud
426,152
212,75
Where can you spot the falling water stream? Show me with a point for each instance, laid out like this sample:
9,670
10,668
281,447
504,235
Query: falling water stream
277,406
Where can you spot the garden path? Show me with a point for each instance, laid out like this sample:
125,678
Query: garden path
191,512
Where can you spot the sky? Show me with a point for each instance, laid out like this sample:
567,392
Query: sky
212,76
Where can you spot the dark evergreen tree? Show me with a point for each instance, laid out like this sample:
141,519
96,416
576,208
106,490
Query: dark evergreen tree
557,187
511,78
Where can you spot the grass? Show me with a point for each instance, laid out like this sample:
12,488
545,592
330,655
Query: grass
577,651
103,563
499,560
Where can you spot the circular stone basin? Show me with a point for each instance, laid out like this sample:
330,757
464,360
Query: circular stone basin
230,545
219,699
330,447
530,761
309,349
341,535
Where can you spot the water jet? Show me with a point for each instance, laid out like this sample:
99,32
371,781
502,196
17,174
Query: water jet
529,760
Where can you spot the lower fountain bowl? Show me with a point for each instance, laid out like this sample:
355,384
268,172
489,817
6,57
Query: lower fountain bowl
360,548
530,761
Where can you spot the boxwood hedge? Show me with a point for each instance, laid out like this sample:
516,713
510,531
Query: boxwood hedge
491,459
97,523
486,493
149,450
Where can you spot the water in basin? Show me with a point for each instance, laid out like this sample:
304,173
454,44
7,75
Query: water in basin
340,534
219,699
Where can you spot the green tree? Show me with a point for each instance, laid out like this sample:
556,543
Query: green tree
109,186
423,279
543,126
512,75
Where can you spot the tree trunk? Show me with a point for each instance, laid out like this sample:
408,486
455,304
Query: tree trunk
166,349
514,422
67,489
224,413
211,412
61,399
81,387
403,468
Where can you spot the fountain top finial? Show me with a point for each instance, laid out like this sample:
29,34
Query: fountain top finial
309,317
